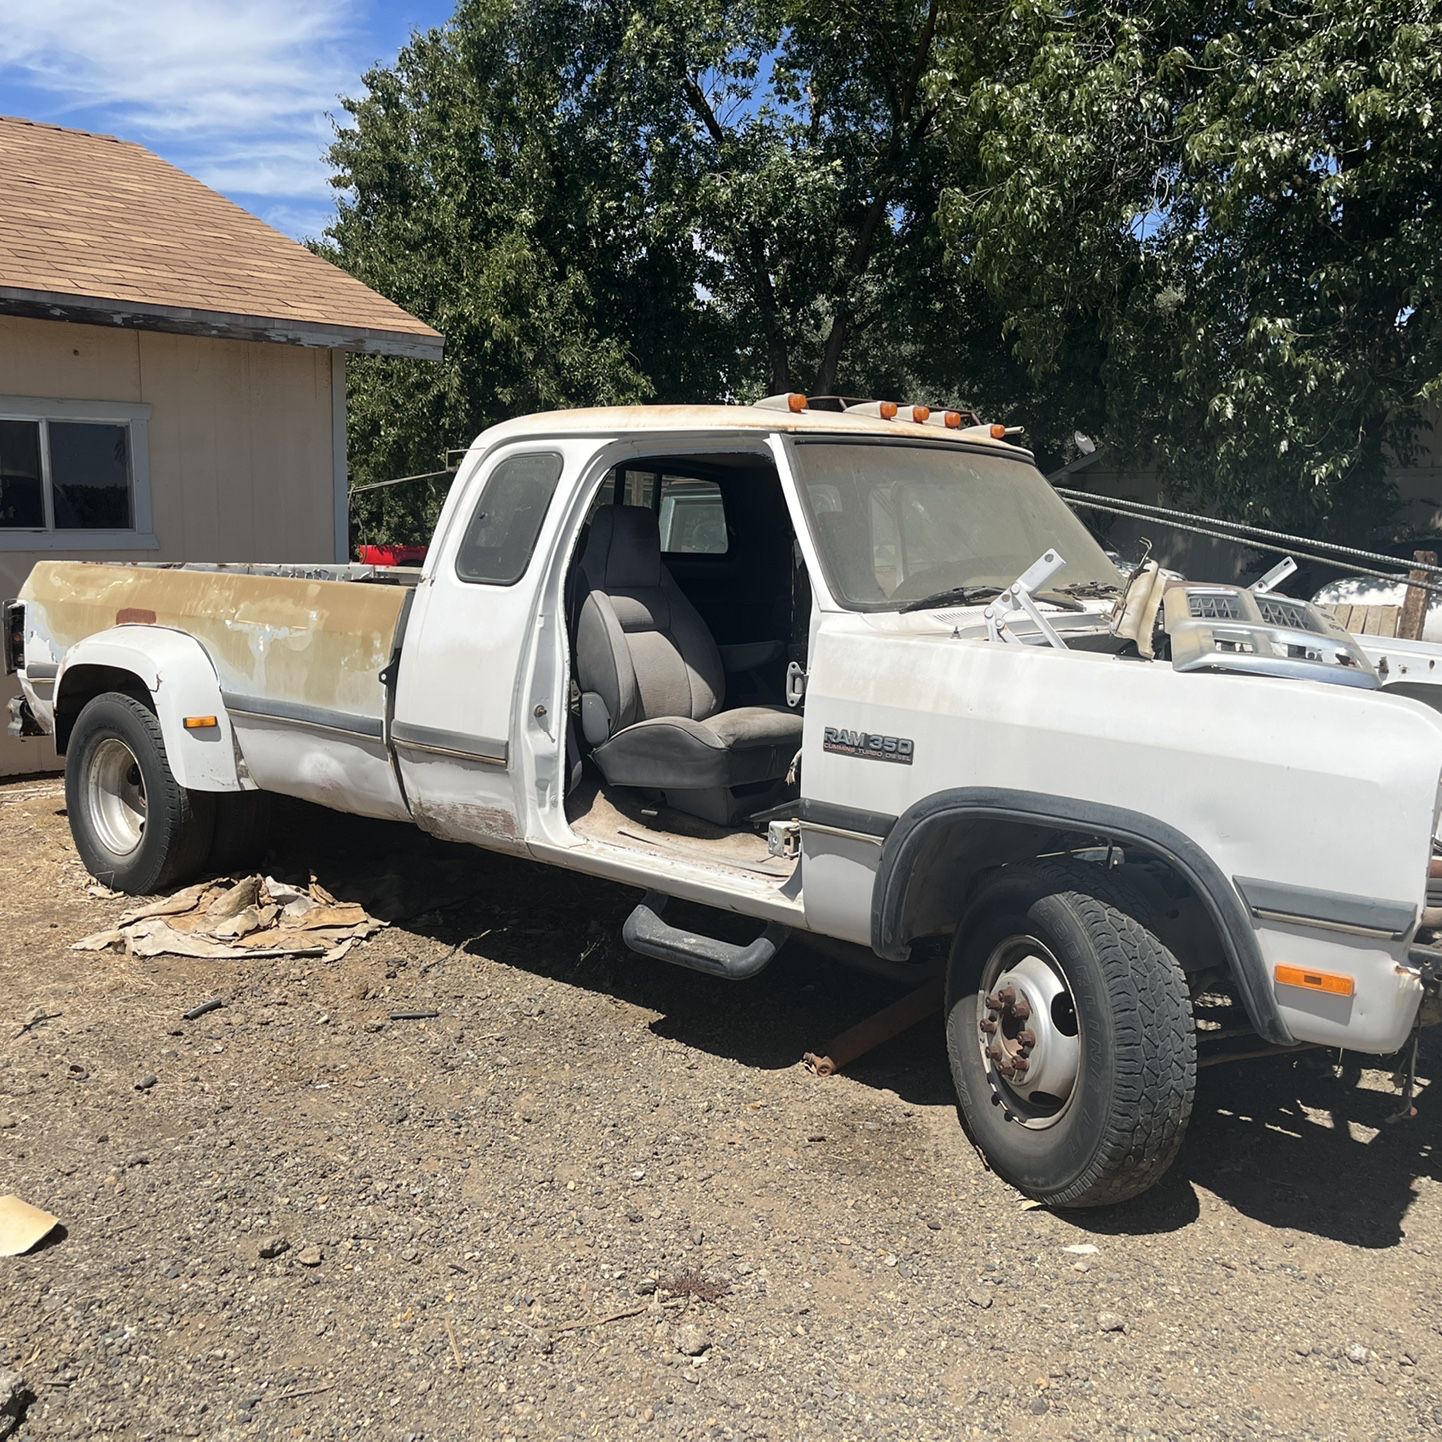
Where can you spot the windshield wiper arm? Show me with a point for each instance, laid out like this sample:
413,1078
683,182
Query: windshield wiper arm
954,596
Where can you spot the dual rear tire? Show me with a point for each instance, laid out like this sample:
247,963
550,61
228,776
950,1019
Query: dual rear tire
136,828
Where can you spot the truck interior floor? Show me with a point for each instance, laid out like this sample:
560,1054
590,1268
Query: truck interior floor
629,821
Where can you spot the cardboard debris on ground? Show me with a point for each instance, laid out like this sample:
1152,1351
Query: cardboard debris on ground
22,1226
225,921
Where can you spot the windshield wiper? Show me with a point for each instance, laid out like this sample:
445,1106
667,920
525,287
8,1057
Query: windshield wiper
954,596
966,595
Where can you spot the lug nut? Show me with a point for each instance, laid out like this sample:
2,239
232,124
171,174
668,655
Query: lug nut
994,1002
989,1026
1021,1063
1007,995
1022,1008
1026,1038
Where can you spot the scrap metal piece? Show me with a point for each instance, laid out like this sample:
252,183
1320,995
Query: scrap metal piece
903,1014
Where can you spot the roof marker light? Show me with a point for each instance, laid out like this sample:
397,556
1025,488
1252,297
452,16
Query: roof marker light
920,414
998,431
791,401
953,420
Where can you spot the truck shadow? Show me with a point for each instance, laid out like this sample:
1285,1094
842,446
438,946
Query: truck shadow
1284,1140
1290,1143
1293,1143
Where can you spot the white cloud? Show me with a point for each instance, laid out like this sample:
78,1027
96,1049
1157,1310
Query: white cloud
236,91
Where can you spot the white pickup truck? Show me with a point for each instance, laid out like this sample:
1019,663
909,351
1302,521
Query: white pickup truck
844,668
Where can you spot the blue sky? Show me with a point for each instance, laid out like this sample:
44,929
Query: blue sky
240,93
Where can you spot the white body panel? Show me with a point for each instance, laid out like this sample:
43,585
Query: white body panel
455,696
176,671
1301,783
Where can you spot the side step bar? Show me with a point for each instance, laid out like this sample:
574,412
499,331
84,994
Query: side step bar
647,932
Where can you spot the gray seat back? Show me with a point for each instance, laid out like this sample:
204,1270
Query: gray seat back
641,649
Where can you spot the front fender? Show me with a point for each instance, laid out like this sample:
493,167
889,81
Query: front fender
906,843
180,677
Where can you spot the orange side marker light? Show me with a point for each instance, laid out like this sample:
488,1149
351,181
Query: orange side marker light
1324,981
200,723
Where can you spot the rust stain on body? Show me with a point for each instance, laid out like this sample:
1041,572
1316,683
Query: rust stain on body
316,641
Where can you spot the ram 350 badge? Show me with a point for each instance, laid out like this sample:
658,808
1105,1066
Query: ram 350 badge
868,745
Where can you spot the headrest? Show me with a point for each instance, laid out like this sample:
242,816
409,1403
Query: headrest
623,551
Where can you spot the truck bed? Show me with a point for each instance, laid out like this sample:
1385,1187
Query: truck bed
306,635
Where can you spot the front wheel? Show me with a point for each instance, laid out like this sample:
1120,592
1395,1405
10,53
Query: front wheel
1070,1034
137,829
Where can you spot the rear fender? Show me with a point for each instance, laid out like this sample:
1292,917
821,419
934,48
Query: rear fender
177,677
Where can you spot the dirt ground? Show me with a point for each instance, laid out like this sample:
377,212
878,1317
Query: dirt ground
600,1197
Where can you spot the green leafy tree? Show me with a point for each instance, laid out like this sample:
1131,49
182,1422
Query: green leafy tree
679,200
1212,232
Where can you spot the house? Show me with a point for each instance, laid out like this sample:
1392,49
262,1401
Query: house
172,370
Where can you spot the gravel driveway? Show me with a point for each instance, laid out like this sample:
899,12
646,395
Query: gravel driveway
598,1197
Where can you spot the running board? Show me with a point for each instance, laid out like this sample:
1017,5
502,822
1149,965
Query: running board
647,932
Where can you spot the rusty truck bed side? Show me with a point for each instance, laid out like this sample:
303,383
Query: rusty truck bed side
290,638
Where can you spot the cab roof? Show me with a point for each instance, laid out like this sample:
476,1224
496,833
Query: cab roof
627,420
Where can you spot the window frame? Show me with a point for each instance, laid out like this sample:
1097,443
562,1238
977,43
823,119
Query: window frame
139,535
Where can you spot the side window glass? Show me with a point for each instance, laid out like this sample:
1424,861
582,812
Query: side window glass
692,518
501,535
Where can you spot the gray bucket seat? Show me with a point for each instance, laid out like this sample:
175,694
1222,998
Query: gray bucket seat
653,682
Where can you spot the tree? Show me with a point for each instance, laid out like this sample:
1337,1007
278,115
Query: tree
602,201
1212,231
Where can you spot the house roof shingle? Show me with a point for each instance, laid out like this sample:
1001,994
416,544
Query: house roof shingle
100,229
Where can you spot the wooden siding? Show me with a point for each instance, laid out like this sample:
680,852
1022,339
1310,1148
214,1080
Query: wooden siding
242,465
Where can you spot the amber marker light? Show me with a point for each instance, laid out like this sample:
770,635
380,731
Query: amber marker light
953,420
1329,982
796,403
921,414
200,723
998,431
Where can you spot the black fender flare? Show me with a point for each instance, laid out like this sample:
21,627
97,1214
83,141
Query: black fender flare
906,840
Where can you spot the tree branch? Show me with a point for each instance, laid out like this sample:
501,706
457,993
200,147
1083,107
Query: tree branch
778,359
859,258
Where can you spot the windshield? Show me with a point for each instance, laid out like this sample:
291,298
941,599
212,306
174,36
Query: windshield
898,522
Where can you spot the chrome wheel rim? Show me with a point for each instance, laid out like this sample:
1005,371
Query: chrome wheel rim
1030,1033
115,796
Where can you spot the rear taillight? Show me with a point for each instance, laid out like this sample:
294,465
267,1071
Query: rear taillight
14,640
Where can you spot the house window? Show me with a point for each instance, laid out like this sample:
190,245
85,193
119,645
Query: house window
73,475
